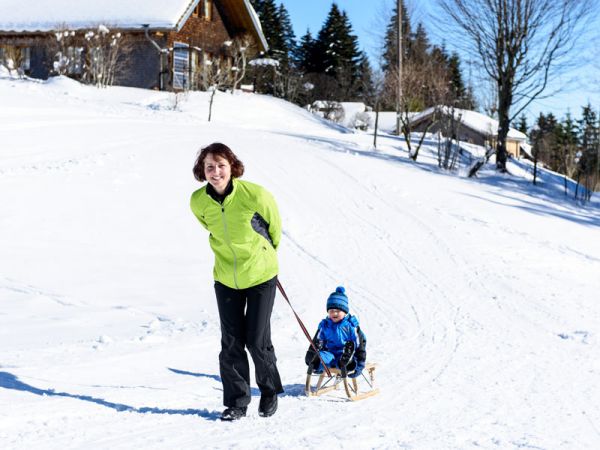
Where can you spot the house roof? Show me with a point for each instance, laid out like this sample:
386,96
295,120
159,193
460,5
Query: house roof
474,120
240,16
31,16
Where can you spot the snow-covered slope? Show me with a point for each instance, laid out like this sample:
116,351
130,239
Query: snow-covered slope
479,298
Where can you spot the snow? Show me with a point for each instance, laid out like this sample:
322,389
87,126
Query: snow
386,121
264,62
479,297
31,15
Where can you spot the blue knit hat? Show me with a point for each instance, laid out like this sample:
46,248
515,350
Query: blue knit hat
338,300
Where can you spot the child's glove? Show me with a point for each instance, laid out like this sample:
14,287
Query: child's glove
312,356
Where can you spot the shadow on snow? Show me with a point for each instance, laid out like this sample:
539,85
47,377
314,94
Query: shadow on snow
10,381
290,390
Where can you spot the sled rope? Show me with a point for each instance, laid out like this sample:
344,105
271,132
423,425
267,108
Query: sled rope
312,344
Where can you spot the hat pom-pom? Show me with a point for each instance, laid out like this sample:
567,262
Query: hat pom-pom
340,290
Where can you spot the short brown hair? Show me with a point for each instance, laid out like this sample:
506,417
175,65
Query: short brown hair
218,149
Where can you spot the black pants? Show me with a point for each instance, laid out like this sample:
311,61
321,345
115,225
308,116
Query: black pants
246,322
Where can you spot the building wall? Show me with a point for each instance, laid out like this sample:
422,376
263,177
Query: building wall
139,64
512,147
42,61
205,36
208,35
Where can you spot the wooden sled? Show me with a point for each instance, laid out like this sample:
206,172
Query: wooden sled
350,384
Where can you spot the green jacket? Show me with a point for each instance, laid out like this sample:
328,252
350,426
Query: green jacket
244,233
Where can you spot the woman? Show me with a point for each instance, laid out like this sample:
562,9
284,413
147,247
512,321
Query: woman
245,229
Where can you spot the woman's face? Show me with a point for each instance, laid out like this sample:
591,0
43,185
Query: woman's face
217,172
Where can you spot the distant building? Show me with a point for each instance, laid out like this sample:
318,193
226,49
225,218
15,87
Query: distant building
474,128
349,114
168,41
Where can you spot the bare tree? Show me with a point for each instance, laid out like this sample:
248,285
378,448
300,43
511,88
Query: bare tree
103,48
12,58
489,143
542,144
420,80
238,51
521,44
449,147
213,76
91,55
378,92
224,70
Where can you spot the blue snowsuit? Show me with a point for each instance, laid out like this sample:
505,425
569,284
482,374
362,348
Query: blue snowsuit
331,338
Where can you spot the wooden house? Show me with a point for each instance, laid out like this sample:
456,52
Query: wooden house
472,127
167,41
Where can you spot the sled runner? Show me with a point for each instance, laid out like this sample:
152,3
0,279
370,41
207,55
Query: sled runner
327,383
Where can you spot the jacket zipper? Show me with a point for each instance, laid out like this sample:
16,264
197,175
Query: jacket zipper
230,247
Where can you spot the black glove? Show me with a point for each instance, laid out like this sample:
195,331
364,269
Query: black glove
312,356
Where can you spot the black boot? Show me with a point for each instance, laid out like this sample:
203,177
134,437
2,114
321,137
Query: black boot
267,405
233,413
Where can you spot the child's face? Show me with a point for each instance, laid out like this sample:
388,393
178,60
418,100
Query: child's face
336,314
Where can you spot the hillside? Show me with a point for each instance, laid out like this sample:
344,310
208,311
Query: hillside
478,297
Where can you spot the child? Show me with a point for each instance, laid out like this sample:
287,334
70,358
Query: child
339,339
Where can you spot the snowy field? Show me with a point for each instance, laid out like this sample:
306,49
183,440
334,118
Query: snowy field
479,297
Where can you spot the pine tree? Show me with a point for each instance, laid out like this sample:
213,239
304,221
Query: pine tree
278,31
588,128
418,46
272,28
288,37
258,6
365,89
336,55
430,75
589,140
566,146
337,47
457,87
390,51
306,54
522,124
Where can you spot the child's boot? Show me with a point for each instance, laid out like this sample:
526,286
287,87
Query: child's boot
346,357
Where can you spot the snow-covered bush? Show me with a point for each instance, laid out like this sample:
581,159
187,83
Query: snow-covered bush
102,52
328,109
68,53
90,55
361,121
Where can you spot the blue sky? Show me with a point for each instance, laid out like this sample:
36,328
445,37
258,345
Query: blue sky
369,18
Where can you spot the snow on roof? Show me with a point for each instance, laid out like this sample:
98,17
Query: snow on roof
257,24
34,15
527,149
476,121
